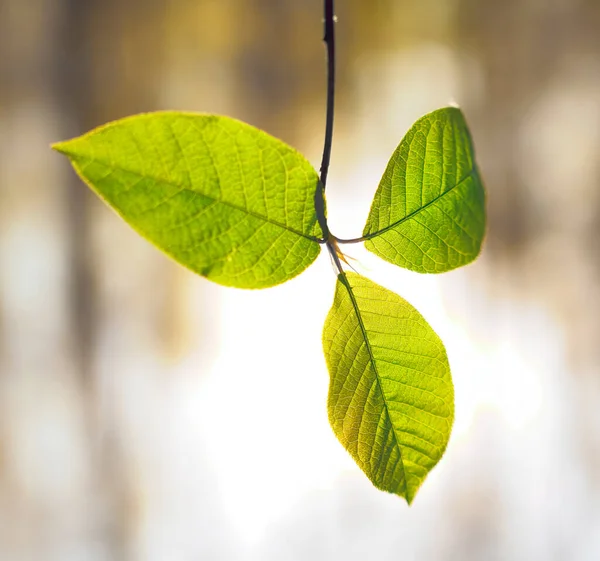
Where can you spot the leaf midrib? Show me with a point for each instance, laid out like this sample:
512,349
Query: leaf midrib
221,201
420,209
363,329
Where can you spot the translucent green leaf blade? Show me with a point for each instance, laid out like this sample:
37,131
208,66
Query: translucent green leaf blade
428,214
391,398
221,197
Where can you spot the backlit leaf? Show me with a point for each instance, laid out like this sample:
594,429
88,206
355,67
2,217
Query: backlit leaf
221,197
391,399
428,214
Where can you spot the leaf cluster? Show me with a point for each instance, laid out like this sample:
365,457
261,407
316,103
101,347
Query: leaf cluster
243,209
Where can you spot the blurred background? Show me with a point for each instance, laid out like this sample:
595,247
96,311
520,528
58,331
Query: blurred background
148,414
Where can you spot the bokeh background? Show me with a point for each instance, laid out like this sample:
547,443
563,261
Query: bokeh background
147,414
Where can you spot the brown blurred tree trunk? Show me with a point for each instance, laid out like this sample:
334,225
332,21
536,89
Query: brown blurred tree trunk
106,65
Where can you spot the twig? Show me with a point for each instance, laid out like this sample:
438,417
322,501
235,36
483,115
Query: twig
329,39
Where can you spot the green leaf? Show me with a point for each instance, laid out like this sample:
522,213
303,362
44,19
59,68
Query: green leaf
221,197
391,399
428,214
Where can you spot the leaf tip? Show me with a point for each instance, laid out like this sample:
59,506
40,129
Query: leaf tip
62,146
